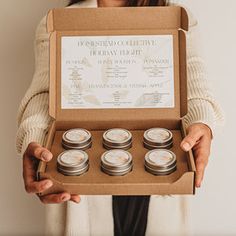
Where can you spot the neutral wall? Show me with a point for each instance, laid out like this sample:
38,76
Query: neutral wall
213,207
20,214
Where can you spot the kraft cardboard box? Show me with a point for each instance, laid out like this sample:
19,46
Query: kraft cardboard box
84,37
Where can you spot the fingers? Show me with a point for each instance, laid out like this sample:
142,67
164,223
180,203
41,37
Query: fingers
38,187
29,168
59,198
55,198
191,139
29,176
199,138
199,174
201,153
35,151
39,152
75,198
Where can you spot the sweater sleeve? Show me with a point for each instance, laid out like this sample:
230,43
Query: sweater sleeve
202,106
33,116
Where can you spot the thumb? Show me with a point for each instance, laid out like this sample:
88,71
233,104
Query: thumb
191,139
39,152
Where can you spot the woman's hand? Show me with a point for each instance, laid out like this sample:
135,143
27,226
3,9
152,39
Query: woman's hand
33,153
198,138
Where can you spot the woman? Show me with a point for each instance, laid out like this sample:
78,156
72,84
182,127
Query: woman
104,215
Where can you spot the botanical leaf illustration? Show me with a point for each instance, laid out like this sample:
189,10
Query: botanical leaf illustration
86,62
148,100
91,99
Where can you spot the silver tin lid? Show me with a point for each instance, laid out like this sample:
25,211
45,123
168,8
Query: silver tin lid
157,138
116,162
73,162
77,139
117,138
160,161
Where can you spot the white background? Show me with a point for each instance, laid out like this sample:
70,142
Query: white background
213,207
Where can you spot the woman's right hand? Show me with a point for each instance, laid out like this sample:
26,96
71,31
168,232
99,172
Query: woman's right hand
32,155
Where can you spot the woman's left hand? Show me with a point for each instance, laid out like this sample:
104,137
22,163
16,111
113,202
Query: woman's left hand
198,138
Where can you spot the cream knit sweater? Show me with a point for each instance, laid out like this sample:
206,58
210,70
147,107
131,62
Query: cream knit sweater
167,215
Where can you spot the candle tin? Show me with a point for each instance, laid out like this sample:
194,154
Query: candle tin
158,138
116,162
117,139
73,162
160,162
80,139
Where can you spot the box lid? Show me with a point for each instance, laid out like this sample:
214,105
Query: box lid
118,22
123,18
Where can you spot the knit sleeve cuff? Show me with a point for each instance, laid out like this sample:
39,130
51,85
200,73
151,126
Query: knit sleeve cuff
32,135
200,111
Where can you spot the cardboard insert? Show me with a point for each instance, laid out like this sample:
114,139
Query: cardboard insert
119,21
137,182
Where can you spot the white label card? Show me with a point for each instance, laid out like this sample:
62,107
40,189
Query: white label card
125,71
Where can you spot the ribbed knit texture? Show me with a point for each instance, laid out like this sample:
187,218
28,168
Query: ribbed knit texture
93,216
33,117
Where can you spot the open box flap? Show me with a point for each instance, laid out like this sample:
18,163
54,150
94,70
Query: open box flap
116,21
117,18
